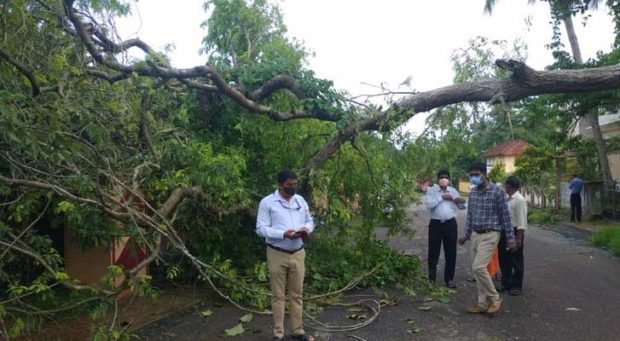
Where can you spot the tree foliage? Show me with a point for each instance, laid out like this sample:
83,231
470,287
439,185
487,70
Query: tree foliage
103,146
102,151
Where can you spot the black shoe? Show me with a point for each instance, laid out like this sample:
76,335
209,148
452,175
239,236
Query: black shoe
515,292
302,337
275,338
451,284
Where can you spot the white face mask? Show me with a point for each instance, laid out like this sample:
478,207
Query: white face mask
444,182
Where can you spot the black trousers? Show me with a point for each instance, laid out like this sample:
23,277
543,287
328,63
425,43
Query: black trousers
438,233
575,207
511,264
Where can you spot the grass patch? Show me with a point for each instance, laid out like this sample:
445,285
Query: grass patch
541,216
602,224
608,238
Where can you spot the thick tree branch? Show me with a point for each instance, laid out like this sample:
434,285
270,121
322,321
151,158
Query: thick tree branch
524,82
277,83
109,46
85,33
175,199
110,78
145,135
27,73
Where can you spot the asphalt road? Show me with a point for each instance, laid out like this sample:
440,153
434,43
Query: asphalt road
571,292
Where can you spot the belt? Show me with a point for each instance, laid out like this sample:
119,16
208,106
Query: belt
290,252
481,231
442,221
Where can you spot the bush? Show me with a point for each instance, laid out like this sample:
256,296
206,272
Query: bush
541,217
608,238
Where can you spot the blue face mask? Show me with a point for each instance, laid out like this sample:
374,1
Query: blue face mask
475,180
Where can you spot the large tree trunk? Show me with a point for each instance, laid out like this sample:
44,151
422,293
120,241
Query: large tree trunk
592,116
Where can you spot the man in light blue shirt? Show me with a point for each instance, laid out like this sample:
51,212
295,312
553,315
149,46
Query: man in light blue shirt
443,201
284,221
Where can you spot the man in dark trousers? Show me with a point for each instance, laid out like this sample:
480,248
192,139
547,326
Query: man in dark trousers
511,263
442,201
576,186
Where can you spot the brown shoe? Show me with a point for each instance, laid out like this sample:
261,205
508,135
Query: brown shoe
494,306
476,309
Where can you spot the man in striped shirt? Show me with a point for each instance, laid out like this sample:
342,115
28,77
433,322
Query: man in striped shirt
487,217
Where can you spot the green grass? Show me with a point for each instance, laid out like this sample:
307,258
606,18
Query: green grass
609,238
541,216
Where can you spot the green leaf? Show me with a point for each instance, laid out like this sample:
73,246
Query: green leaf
443,299
416,329
234,331
65,207
413,325
16,328
62,276
206,313
425,307
246,318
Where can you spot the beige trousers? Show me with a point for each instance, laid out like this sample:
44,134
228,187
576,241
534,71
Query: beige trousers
482,247
286,270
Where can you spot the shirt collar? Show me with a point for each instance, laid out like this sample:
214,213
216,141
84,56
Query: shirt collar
516,194
278,197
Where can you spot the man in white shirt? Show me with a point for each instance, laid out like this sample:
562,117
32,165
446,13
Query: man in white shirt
511,262
443,201
284,221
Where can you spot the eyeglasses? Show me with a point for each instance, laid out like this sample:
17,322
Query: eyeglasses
291,208
475,174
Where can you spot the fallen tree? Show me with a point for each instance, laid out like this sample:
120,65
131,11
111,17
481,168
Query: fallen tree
85,169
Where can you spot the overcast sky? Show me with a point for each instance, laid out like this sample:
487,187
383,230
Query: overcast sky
368,41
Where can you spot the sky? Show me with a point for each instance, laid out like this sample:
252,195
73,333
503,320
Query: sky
360,44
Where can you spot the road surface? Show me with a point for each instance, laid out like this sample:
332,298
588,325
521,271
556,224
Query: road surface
571,292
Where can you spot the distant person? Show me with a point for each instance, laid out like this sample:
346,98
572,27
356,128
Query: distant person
487,217
511,263
284,220
576,186
442,201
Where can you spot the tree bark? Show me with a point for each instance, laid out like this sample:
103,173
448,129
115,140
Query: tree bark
591,116
572,38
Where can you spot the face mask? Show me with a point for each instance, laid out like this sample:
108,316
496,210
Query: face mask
289,190
475,180
444,182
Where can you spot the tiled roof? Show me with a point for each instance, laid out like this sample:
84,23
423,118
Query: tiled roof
515,147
